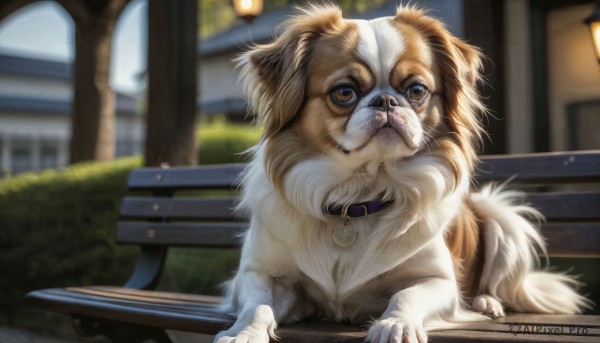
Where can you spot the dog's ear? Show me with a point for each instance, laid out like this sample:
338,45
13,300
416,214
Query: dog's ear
461,74
468,60
274,74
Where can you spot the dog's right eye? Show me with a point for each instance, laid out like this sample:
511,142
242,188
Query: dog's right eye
344,96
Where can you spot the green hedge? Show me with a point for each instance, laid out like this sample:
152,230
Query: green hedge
223,143
57,229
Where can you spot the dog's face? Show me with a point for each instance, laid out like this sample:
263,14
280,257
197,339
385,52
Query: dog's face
372,90
364,91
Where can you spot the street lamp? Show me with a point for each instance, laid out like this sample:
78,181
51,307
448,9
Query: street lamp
594,23
248,9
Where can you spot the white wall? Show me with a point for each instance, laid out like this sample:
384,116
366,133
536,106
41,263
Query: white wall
218,78
35,87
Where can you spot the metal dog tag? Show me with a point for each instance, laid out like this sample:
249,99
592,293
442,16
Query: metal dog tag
344,235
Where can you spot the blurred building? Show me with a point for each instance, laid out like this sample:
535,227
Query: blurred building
542,78
35,110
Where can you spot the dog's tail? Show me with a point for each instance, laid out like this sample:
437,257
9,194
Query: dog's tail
511,270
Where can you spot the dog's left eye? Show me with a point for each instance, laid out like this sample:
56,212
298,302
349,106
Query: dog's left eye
344,96
416,92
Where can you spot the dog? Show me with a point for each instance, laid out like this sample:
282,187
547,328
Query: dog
358,192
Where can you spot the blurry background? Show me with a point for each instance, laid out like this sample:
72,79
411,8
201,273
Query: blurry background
90,89
543,79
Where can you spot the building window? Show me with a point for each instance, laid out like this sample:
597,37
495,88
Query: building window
127,147
49,155
3,167
21,156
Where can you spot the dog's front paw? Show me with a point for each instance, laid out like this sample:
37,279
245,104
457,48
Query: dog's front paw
488,305
255,326
396,330
245,336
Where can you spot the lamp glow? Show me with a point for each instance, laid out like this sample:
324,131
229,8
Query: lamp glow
248,9
593,22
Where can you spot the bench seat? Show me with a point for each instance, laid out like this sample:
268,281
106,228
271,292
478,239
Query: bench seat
196,313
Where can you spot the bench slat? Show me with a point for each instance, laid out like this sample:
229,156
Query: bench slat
207,177
181,234
572,239
563,238
552,167
567,206
555,206
178,208
133,306
529,168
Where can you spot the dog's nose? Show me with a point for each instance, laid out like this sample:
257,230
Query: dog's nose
384,101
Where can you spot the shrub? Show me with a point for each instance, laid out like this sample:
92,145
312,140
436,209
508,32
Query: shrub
57,229
198,270
222,143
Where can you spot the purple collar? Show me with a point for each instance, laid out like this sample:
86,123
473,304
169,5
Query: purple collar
361,209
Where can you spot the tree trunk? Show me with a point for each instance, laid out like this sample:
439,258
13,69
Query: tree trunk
7,7
93,118
172,54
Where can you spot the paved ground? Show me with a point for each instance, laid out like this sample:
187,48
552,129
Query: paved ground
9,335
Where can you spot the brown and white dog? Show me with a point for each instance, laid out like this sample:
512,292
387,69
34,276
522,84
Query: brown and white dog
358,192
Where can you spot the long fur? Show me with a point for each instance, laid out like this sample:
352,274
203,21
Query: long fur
421,263
511,258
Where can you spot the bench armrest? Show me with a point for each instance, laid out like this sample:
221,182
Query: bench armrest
148,268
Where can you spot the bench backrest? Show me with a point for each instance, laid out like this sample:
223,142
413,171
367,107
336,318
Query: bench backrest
192,206
188,206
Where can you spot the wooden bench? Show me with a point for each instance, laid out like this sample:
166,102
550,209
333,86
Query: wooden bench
164,219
